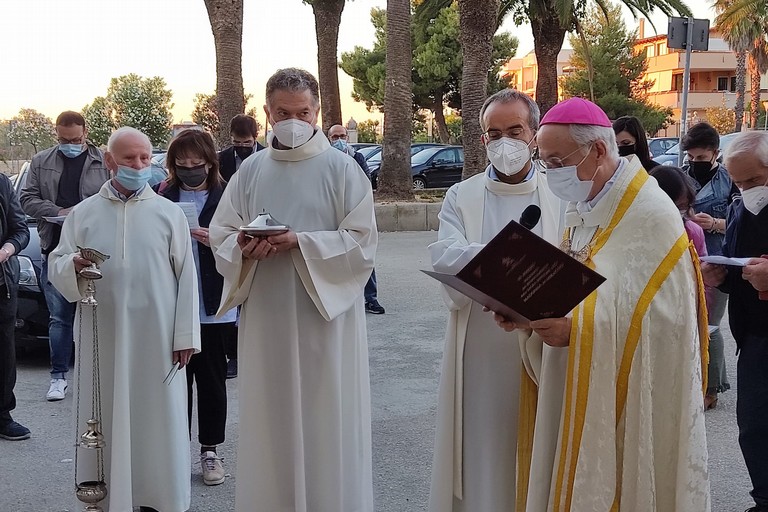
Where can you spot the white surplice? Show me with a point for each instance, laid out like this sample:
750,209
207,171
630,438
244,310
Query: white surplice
305,419
477,420
148,307
632,435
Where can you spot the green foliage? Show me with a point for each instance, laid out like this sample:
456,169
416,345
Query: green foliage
619,86
205,112
368,131
721,118
132,100
454,128
33,128
437,61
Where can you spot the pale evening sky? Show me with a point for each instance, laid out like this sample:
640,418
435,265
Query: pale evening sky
59,55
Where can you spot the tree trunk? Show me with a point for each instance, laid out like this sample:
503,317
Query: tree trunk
395,178
754,73
226,18
548,37
442,126
478,20
327,21
741,87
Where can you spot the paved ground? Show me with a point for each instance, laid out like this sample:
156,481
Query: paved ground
405,352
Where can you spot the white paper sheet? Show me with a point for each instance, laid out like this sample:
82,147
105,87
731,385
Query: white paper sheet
722,260
190,210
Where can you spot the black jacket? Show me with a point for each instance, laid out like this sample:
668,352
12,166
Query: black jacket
13,230
747,314
212,282
227,160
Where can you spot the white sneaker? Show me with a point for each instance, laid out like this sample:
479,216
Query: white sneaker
213,471
57,391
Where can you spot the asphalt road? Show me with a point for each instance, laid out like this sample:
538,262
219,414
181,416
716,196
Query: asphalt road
405,352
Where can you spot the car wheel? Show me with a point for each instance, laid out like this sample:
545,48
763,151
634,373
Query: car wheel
419,183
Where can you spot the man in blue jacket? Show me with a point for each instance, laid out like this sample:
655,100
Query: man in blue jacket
746,236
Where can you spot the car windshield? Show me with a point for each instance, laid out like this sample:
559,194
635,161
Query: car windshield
366,151
422,156
673,150
376,157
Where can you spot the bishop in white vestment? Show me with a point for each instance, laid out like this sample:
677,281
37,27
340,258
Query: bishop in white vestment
305,432
148,317
632,435
476,448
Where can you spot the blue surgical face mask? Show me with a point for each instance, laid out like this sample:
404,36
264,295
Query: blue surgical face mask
132,179
71,150
340,144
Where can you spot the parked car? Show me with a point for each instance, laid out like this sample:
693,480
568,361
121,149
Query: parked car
438,166
658,145
357,146
420,146
32,317
670,157
372,156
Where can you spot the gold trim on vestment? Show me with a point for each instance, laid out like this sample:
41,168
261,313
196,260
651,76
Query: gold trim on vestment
703,317
569,447
526,424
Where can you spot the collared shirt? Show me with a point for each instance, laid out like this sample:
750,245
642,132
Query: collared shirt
495,177
238,160
586,206
122,196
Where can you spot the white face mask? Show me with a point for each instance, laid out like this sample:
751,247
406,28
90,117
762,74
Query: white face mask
508,156
292,132
755,198
564,182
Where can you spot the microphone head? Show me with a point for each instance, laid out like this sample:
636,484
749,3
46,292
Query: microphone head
530,216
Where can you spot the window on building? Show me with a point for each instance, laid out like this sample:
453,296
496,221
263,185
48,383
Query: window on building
661,49
677,82
733,84
650,51
722,83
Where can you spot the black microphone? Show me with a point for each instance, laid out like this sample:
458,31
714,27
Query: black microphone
530,216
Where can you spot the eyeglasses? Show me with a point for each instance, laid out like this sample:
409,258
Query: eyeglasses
338,137
512,133
556,163
76,140
243,144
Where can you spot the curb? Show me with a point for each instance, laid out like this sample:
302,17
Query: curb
407,216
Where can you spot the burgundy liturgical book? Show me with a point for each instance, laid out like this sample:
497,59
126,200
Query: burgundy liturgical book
523,277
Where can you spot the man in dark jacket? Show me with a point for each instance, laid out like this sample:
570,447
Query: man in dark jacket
243,131
59,178
14,236
746,236
337,134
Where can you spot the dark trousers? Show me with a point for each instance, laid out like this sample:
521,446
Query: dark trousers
8,306
371,288
752,412
230,345
208,370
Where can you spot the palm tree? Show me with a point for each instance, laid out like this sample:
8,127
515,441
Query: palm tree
758,65
551,19
738,34
478,22
395,174
327,21
226,18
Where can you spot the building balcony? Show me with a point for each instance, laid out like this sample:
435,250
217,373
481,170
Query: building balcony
697,100
703,61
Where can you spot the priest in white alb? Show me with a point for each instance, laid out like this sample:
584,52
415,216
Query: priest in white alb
631,436
477,445
305,418
148,321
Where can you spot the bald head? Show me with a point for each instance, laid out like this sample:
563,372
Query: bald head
337,132
128,147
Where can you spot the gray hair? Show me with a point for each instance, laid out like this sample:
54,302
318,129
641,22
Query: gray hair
293,80
124,131
584,134
749,143
508,96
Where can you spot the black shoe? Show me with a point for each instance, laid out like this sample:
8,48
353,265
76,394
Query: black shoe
13,431
374,308
757,508
232,368
147,509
